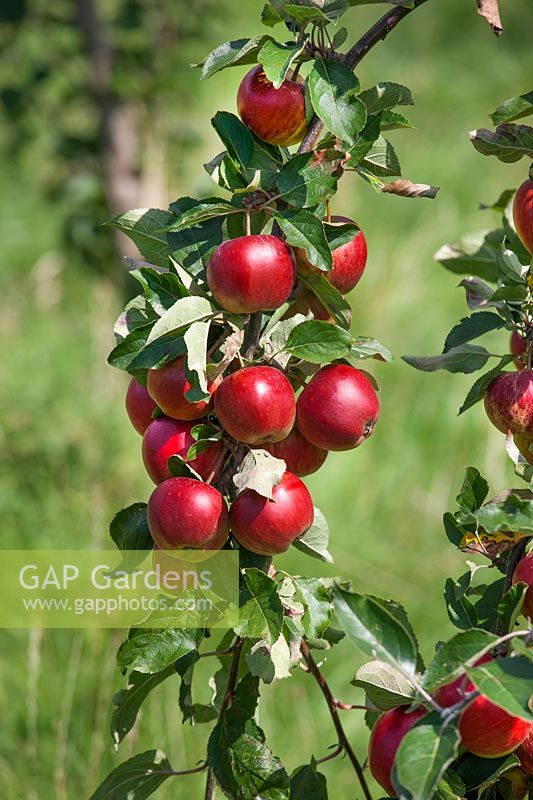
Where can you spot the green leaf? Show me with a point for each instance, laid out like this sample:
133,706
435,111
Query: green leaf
316,600
478,772
479,388
384,685
330,297
196,338
333,88
472,327
232,54
364,347
513,109
129,531
509,513
464,358
277,59
478,293
152,650
135,779
507,682
474,254
226,173
146,228
182,314
270,662
381,160
364,141
192,247
508,142
501,203
340,37
127,702
318,342
305,12
510,606
450,660
474,490
424,754
315,541
307,180
260,472
260,612
451,787
375,628
185,667
270,16
205,210
392,120
386,95
461,610
236,137
161,289
511,271
241,761
303,229
308,784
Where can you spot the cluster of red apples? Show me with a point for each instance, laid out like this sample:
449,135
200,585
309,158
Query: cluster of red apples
253,405
486,729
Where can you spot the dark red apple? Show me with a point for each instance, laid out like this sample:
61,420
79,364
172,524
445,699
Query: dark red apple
301,457
167,437
267,526
349,261
385,739
524,574
490,732
454,692
168,385
276,116
185,513
251,273
139,406
509,402
518,347
256,405
523,214
338,409
525,754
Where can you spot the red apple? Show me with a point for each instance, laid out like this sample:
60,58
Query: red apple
267,526
518,347
276,116
168,385
525,754
490,732
524,574
301,457
256,405
523,443
385,739
523,214
251,273
185,513
139,406
509,402
349,261
338,409
454,692
167,437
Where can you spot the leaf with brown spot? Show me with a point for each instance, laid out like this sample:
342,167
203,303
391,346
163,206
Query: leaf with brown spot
491,11
406,188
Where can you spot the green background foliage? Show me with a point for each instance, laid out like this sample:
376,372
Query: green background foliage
70,458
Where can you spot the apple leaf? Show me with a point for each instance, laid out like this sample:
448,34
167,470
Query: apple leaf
277,59
236,137
393,120
513,109
270,662
303,229
127,702
377,627
260,611
204,210
450,660
463,358
381,160
332,88
129,531
478,389
195,339
232,54
146,228
330,297
182,314
315,598
364,141
161,289
308,179
479,773
260,472
308,784
509,142
315,541
318,342
363,347
192,247
139,777
473,254
384,685
424,754
472,327
133,352
386,95
151,650
506,682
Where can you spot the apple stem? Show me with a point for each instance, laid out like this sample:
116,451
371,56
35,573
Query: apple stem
328,209
248,223
296,71
343,743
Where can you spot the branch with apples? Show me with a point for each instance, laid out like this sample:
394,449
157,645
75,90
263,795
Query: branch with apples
244,375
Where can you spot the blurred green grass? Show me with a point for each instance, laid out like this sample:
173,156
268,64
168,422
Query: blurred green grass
70,459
